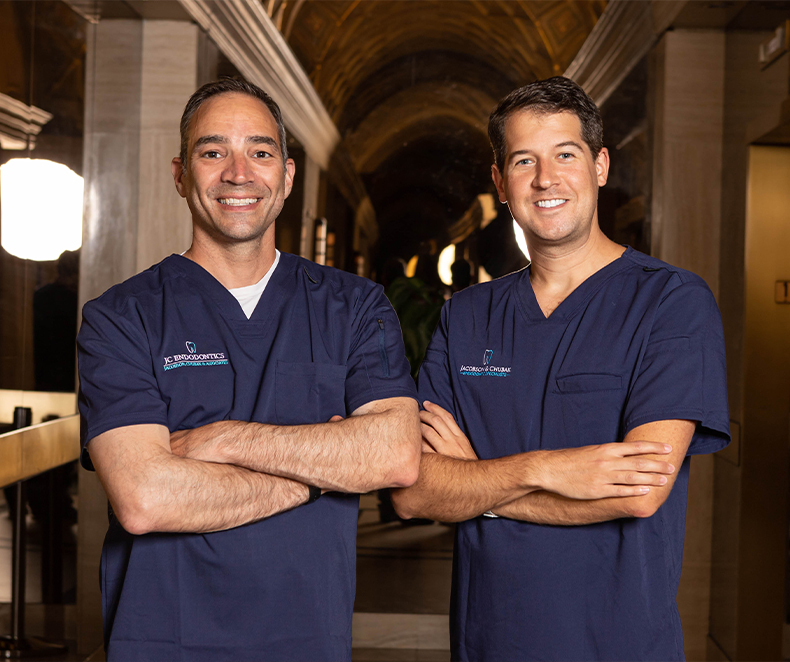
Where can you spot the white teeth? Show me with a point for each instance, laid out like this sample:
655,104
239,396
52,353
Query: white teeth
548,204
237,202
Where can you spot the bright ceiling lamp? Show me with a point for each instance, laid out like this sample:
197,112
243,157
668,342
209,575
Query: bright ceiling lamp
520,240
446,259
40,209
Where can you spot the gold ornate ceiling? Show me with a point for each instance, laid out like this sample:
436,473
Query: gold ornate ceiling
343,45
410,84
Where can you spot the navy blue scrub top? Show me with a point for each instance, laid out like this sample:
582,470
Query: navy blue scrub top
639,341
172,346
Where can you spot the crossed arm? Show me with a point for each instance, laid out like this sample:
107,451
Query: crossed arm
570,486
230,473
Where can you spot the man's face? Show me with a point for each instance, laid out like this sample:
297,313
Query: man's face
549,178
235,181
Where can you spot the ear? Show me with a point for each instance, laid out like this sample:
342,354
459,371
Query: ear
177,168
290,171
602,166
499,182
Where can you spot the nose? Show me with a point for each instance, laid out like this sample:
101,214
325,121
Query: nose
546,174
238,170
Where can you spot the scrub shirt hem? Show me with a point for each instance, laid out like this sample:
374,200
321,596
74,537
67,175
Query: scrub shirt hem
356,403
138,418
709,422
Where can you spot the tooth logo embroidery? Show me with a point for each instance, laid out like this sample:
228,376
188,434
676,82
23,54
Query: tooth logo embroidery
485,370
193,359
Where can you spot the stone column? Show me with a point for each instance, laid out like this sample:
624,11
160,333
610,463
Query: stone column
310,206
139,76
688,91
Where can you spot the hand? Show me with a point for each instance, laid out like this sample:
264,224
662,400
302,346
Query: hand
441,434
204,443
608,470
195,444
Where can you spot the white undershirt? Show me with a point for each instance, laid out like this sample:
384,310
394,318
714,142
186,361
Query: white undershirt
249,295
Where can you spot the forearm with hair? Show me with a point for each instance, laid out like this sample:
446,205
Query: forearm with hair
541,507
200,497
150,489
454,490
358,454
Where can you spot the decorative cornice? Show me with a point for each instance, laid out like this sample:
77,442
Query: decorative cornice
20,123
624,34
249,39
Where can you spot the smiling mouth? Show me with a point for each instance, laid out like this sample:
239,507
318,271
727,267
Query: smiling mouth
548,204
237,202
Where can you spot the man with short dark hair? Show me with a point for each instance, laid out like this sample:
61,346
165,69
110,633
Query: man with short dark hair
592,343
235,400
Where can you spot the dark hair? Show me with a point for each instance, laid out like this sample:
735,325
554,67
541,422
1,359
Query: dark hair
553,95
223,86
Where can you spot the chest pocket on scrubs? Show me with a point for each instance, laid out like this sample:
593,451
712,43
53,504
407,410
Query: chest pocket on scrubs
591,406
309,392
197,395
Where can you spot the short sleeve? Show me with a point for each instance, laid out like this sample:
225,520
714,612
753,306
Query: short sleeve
376,367
117,383
682,374
434,377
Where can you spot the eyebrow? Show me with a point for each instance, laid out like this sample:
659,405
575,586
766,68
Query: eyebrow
567,143
222,140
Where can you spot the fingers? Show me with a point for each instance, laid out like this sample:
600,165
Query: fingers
436,423
335,419
638,478
443,415
642,448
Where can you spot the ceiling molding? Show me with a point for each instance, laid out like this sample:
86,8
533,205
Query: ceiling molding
249,39
20,123
623,35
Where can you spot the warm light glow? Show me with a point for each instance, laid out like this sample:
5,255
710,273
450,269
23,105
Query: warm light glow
41,207
446,258
522,243
411,268
482,275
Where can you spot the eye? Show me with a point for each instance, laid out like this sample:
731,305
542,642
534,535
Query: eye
566,155
262,154
211,154
525,161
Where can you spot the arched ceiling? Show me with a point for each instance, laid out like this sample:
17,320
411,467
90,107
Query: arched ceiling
410,84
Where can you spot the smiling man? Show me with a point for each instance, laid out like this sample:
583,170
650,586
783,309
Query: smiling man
234,401
530,384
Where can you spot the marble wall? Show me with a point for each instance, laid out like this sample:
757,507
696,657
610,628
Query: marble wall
139,76
687,79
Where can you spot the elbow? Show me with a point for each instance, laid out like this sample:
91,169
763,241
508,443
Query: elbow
644,507
407,468
400,501
137,515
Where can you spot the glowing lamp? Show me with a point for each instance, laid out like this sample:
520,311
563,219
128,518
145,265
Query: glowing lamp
41,207
446,259
520,240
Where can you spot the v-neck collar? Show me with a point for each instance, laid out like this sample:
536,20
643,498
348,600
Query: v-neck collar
570,304
229,307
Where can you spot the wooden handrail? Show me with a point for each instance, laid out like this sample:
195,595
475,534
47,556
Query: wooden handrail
38,448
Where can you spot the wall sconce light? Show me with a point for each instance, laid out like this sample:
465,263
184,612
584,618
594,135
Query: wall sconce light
41,207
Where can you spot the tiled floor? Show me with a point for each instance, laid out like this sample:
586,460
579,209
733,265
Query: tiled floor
57,623
403,590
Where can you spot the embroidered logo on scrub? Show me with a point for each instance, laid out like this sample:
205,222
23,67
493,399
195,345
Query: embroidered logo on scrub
193,359
485,370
